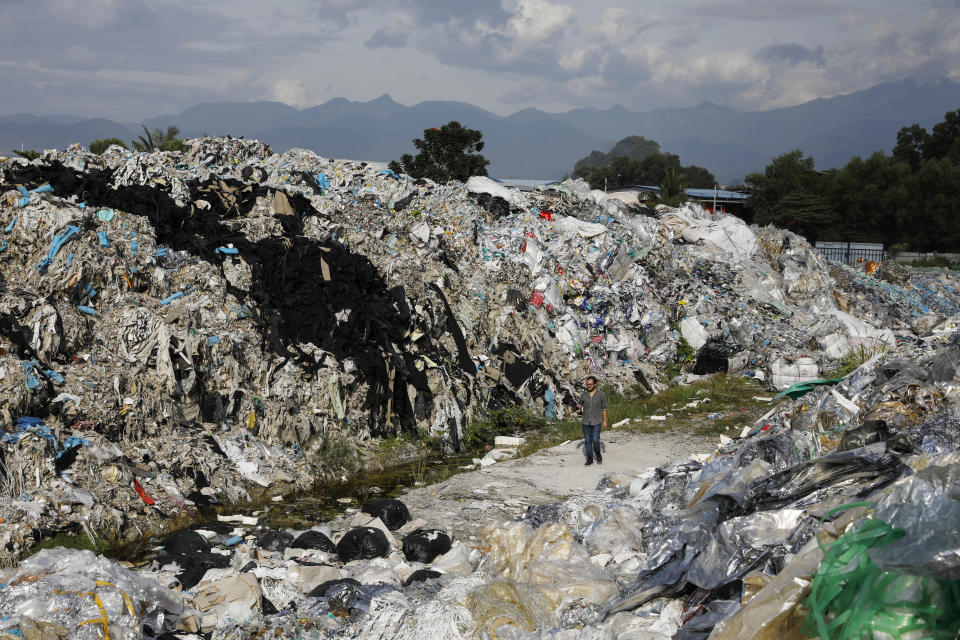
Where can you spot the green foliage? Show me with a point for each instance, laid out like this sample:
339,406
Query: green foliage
159,140
933,262
29,154
788,174
451,152
683,357
99,146
502,422
671,188
622,170
632,147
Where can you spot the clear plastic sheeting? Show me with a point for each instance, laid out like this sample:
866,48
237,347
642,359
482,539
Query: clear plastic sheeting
511,604
548,557
88,595
926,507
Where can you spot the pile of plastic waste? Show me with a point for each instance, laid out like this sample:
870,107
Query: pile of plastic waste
835,516
184,330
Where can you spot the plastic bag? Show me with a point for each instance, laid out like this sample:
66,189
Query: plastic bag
313,540
392,513
362,543
423,545
421,575
274,540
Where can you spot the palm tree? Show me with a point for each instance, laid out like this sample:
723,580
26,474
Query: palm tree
158,140
672,187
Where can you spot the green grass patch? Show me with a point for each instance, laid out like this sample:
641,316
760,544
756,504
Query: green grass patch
509,421
935,261
70,540
730,396
849,363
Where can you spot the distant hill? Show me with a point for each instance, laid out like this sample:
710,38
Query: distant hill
534,143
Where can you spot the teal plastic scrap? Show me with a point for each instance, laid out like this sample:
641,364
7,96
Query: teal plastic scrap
801,389
105,215
32,382
56,245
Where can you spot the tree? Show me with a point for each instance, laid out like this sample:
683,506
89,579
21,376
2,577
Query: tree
448,153
911,142
99,146
944,140
698,177
632,147
786,174
29,154
671,188
159,140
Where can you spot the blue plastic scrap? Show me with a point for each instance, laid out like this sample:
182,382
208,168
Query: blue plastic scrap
34,426
10,226
69,260
46,188
169,299
23,191
56,245
104,240
3,245
72,443
133,246
323,181
32,382
90,311
53,375
227,250
212,340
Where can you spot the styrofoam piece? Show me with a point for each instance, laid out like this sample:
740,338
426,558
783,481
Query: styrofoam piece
693,332
509,441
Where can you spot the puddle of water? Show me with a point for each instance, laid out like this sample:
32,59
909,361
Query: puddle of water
325,501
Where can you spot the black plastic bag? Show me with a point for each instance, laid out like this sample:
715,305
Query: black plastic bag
343,596
362,543
320,591
392,513
424,545
421,575
313,540
185,543
274,540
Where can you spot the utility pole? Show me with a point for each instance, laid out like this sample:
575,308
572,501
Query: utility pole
714,198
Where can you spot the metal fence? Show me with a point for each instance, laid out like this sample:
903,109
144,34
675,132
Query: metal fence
852,253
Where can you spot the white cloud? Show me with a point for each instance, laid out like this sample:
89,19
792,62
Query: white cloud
291,91
537,20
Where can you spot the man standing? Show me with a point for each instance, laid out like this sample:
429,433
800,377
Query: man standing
593,405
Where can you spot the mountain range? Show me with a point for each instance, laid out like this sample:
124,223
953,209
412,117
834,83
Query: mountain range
536,144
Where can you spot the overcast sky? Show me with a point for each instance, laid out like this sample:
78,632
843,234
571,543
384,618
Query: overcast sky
133,59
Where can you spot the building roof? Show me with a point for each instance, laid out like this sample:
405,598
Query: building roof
699,194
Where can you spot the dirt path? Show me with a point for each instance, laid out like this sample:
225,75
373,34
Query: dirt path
467,502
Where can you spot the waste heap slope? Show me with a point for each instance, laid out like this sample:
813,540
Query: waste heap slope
182,328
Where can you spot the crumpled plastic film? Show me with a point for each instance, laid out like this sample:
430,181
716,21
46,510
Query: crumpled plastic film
549,557
920,505
509,603
87,594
